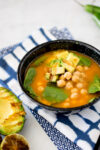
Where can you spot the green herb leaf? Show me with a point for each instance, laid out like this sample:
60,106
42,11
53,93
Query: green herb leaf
91,100
92,9
95,85
28,80
54,61
84,61
29,77
30,90
96,18
54,94
40,60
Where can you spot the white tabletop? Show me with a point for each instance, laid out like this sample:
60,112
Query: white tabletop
19,18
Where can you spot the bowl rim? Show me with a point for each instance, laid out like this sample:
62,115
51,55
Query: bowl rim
39,47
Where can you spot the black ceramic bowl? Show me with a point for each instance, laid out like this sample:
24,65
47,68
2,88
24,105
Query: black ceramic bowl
50,46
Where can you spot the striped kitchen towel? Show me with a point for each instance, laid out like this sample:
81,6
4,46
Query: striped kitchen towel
67,131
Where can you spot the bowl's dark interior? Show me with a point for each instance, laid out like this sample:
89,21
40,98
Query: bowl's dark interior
55,45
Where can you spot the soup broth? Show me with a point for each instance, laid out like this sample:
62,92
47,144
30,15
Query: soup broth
65,79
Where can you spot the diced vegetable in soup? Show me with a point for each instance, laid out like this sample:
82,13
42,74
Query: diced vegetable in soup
63,79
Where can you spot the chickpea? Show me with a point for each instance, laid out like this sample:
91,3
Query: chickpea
62,77
40,88
74,95
77,73
83,91
79,85
61,83
79,68
74,90
86,68
67,75
75,78
69,85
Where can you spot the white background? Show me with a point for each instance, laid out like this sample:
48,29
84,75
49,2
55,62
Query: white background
19,18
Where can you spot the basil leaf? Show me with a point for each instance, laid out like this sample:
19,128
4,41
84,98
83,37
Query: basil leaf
30,90
84,61
54,94
40,60
29,77
28,80
95,85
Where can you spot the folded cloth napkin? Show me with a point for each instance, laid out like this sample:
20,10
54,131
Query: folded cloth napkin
67,131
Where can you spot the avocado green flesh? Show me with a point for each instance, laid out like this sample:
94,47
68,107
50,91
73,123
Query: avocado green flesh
11,111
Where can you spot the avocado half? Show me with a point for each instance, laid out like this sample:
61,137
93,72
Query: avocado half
12,114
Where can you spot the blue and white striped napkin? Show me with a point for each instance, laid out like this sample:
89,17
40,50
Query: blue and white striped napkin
67,131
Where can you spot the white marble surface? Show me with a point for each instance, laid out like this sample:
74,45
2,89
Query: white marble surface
19,18
35,135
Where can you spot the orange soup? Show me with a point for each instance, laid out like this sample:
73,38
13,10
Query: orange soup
63,79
